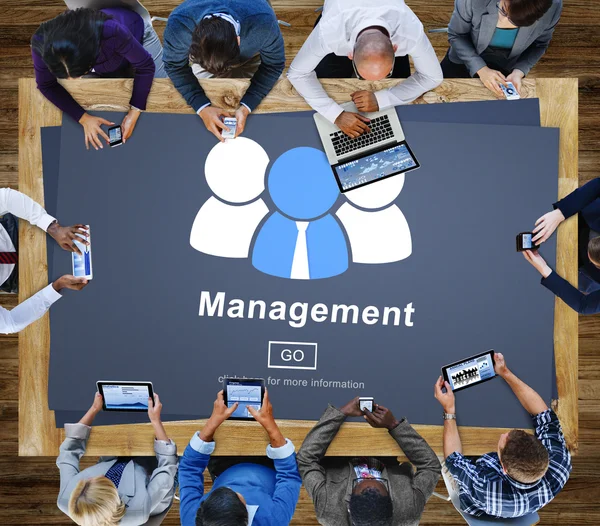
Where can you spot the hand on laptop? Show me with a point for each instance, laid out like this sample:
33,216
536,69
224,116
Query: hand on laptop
365,101
211,116
352,124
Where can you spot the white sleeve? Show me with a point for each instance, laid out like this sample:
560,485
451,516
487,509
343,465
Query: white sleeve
12,321
20,205
303,77
428,75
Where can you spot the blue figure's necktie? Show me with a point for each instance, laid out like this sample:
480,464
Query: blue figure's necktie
300,268
115,472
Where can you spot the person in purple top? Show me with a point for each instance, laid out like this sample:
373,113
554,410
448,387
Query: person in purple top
113,42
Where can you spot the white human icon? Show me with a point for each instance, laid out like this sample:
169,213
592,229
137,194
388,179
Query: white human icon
235,172
376,234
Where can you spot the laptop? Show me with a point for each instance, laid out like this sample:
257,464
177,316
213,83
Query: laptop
381,153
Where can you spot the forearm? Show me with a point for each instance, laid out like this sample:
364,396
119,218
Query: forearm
159,431
452,443
530,400
276,438
582,303
88,418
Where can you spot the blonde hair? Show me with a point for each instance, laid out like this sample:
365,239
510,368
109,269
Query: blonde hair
96,502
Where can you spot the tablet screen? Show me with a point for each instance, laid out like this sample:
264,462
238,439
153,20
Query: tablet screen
245,393
125,397
470,371
376,166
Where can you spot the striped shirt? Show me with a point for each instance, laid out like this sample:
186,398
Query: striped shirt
485,489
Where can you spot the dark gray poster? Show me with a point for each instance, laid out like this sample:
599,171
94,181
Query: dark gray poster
160,309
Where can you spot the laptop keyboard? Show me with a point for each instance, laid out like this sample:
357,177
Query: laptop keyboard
381,131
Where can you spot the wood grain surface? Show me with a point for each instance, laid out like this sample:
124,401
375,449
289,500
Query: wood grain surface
29,486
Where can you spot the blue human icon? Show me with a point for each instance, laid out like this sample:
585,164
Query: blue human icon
301,240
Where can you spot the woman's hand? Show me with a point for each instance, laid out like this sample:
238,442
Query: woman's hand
538,262
96,407
154,410
129,122
516,77
492,79
546,225
92,127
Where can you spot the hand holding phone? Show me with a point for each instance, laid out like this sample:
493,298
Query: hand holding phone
115,136
365,403
510,92
525,242
231,123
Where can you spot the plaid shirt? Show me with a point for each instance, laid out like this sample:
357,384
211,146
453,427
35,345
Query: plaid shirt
484,488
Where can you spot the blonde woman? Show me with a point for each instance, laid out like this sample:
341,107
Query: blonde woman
122,491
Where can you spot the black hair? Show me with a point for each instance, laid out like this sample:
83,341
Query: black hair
370,508
69,44
594,249
222,508
214,45
523,13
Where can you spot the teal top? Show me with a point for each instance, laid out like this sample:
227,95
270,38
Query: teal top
504,38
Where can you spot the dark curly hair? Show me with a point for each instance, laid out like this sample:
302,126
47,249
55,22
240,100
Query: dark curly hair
370,508
214,45
69,44
222,508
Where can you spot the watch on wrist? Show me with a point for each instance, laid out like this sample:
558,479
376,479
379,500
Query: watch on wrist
449,416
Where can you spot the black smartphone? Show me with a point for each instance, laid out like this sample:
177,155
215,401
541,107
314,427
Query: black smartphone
525,241
245,392
115,136
125,396
470,371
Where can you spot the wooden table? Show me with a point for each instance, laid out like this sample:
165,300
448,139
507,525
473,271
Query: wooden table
38,435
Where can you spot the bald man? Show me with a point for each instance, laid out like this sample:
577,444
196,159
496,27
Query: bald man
370,40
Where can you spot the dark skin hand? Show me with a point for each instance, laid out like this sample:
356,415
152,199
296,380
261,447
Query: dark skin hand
352,124
351,408
381,417
64,236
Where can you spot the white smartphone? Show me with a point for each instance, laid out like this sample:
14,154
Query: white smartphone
510,92
231,123
82,264
365,402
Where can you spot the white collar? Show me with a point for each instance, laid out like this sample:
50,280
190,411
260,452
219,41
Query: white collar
229,19
251,513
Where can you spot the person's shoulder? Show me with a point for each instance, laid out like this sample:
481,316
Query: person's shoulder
114,29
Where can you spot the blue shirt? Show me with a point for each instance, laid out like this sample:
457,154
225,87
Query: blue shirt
484,488
504,38
275,492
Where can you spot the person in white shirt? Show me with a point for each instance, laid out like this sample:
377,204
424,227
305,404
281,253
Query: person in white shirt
365,37
18,204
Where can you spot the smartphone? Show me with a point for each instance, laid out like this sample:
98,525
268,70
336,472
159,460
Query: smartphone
510,92
525,241
245,392
365,402
231,123
115,136
82,264
470,371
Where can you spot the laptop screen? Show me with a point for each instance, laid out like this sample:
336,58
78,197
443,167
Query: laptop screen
374,166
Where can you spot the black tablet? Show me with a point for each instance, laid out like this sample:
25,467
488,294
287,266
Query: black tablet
470,371
125,396
246,392
371,167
